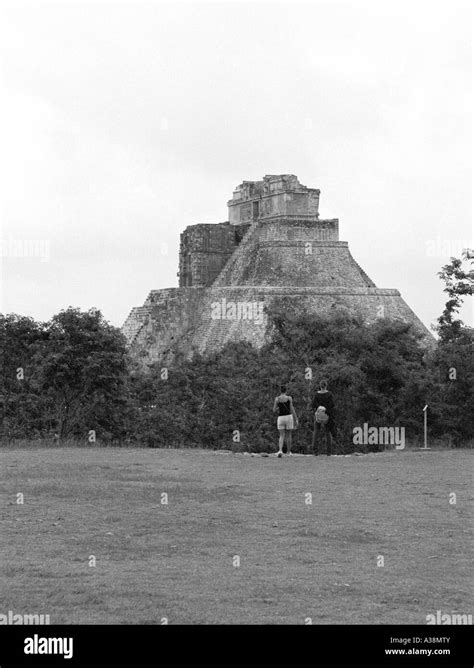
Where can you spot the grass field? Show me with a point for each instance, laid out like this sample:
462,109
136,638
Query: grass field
297,560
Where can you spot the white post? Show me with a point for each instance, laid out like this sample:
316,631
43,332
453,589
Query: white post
425,421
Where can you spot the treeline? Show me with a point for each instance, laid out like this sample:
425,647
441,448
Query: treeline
380,374
71,378
63,378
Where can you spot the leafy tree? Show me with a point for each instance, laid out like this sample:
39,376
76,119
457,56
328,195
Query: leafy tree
452,401
83,372
21,403
458,283
74,377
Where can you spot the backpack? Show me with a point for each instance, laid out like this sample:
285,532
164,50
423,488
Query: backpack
321,416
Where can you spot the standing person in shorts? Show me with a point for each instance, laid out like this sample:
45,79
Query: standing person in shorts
287,419
323,399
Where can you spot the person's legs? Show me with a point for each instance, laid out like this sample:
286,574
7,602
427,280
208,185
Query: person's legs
281,441
328,440
314,444
330,436
288,441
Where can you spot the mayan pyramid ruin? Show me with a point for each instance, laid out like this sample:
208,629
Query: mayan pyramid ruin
273,245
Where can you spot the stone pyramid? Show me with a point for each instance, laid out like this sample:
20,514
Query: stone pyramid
274,246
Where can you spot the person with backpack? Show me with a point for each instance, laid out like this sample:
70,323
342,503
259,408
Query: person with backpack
322,407
287,419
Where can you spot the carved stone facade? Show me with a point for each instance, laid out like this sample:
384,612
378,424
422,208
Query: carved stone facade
275,196
204,251
274,246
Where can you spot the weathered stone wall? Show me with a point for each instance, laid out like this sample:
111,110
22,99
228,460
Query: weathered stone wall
369,303
240,260
134,322
205,319
290,252
169,319
297,263
290,204
204,251
295,227
275,195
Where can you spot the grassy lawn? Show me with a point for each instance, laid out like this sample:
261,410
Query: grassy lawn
297,560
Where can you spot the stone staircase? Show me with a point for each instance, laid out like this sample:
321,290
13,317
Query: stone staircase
137,318
232,271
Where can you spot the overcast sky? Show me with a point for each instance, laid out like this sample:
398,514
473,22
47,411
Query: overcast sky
122,123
